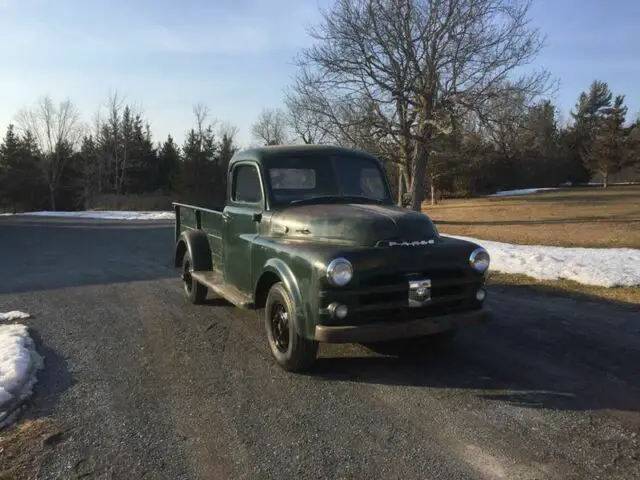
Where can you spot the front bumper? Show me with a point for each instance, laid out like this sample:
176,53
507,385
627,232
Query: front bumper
381,331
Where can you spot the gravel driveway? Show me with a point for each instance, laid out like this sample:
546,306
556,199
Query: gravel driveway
140,384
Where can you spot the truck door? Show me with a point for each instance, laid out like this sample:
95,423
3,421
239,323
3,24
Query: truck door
246,197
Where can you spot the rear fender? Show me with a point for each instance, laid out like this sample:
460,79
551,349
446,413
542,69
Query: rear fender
196,243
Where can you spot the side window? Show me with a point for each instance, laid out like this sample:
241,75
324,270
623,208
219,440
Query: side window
246,185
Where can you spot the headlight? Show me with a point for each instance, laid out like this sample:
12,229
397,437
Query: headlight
339,272
479,260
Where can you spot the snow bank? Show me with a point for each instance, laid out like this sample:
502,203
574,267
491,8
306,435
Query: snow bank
522,191
19,363
13,315
605,267
109,215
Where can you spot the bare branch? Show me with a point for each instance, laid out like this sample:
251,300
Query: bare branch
57,130
271,127
228,130
421,64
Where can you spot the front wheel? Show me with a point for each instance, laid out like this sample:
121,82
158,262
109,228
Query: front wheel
291,350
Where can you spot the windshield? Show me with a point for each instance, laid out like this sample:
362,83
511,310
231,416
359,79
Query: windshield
304,177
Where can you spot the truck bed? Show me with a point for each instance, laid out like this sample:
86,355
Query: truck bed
209,220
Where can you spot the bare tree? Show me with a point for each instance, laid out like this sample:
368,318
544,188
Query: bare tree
271,126
204,122
421,63
56,130
228,130
505,122
114,135
116,131
304,122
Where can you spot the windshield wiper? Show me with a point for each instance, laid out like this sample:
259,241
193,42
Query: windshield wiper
336,199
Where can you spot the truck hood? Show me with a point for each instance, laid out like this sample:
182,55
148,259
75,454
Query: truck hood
353,224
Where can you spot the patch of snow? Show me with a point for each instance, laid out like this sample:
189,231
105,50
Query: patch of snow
614,183
604,267
19,363
522,191
109,215
13,315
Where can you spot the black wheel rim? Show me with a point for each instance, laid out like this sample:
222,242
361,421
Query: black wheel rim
280,327
186,276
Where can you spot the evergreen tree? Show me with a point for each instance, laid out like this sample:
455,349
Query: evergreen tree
88,162
142,167
168,165
199,167
606,154
12,179
21,182
587,116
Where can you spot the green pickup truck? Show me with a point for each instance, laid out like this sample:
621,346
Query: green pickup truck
311,238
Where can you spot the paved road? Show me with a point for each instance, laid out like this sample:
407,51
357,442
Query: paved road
143,385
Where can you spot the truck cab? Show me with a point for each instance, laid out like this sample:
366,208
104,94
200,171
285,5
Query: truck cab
310,237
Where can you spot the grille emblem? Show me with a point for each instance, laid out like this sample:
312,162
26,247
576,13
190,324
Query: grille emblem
419,292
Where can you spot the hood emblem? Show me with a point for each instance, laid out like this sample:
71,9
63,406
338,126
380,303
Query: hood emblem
414,243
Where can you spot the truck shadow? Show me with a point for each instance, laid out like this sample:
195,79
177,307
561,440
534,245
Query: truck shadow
456,371
54,379
215,301
539,352
553,291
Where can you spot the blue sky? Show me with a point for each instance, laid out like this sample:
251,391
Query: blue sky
236,55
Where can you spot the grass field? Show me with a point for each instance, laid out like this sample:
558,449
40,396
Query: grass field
577,217
585,217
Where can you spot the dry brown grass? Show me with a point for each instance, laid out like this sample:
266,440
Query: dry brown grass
22,447
577,217
624,296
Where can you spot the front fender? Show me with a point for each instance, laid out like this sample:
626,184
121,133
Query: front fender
282,270
197,244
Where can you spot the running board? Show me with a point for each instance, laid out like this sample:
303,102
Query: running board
213,280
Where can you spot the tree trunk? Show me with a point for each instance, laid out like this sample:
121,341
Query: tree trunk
52,193
419,170
407,178
605,180
401,184
433,191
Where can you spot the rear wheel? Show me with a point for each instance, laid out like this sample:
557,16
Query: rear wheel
194,290
291,350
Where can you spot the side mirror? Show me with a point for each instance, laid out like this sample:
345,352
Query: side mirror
256,217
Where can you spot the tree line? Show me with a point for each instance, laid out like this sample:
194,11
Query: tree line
51,160
525,145
439,90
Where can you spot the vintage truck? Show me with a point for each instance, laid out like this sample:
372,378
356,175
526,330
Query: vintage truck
311,239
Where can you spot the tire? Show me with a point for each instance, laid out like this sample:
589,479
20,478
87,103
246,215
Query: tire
195,292
291,350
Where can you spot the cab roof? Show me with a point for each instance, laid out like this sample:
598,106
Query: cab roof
262,155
